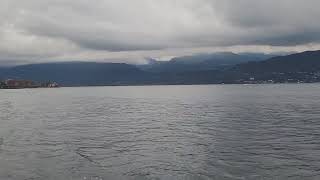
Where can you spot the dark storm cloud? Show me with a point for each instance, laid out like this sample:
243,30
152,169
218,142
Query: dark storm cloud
68,28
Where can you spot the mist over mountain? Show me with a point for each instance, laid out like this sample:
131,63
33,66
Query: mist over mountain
265,56
205,61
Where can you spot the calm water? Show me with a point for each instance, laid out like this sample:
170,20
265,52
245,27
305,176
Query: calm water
161,132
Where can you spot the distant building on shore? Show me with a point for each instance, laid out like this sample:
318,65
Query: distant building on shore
19,84
53,85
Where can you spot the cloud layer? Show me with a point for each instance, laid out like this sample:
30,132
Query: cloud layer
47,30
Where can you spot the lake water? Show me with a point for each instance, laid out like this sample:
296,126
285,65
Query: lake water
161,132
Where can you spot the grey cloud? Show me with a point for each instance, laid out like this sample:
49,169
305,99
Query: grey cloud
285,22
44,29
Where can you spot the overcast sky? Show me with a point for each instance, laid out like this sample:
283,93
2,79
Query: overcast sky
130,30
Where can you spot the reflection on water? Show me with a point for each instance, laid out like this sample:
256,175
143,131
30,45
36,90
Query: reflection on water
161,132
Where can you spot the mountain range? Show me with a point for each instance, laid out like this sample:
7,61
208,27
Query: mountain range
77,73
197,69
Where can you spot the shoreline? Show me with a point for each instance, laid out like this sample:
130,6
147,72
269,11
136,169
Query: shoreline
200,84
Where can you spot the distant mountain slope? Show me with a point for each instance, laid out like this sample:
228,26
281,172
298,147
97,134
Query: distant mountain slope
299,67
264,56
78,73
304,67
308,61
201,62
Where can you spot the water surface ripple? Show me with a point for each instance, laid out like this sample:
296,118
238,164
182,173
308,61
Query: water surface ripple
161,132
